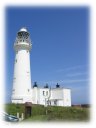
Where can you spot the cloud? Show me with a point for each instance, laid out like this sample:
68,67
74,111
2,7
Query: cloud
76,80
68,81
71,68
75,67
80,88
76,74
73,81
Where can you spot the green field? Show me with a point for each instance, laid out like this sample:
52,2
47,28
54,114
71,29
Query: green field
54,113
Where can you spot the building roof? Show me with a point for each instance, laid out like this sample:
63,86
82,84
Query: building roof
60,88
52,88
23,29
55,99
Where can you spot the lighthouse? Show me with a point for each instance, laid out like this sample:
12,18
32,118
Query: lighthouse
21,91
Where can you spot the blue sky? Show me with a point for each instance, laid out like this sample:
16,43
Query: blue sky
60,50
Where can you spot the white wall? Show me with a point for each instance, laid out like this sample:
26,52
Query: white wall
57,96
60,103
67,97
44,95
61,95
56,93
22,77
37,95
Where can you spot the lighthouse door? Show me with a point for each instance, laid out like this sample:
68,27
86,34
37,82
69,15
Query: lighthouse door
28,110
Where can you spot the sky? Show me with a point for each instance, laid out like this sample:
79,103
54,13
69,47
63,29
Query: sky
60,47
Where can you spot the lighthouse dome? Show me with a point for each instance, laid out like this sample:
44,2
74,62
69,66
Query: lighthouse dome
23,29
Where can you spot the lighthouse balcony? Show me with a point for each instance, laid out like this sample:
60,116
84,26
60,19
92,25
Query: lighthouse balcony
22,45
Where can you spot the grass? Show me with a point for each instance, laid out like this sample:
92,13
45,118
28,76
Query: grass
37,118
14,108
54,113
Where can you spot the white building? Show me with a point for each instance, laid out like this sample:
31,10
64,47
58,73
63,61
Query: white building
22,91
55,96
22,73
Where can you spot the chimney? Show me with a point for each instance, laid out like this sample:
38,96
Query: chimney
57,85
35,84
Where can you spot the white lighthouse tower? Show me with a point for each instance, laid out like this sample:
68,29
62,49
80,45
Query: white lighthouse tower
21,91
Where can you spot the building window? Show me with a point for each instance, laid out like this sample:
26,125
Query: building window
55,102
47,102
16,60
47,93
43,93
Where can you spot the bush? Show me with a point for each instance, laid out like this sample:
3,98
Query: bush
53,112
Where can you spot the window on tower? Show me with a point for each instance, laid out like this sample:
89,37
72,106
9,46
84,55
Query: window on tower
16,60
